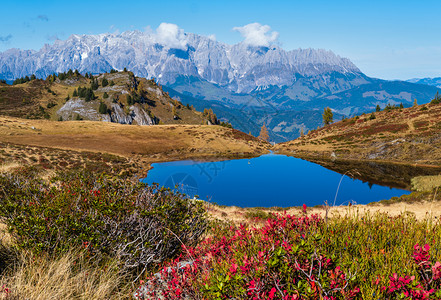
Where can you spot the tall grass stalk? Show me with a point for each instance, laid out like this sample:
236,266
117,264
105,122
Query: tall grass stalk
70,276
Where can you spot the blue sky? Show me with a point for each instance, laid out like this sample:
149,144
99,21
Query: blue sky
385,39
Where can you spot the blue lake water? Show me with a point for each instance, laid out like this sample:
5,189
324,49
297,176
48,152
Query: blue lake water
266,181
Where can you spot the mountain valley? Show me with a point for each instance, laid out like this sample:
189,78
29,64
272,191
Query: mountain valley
238,82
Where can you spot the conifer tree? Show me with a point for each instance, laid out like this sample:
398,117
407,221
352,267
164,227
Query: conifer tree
102,108
264,133
328,116
378,108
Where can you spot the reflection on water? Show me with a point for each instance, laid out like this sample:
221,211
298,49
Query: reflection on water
385,174
278,180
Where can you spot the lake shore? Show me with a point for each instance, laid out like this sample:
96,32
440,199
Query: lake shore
421,206
397,174
55,145
33,142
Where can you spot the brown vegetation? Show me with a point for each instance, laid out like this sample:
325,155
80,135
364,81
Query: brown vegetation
409,135
26,141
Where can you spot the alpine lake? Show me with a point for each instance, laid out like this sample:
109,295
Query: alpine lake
274,180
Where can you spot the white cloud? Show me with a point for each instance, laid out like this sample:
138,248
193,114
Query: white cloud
256,34
170,35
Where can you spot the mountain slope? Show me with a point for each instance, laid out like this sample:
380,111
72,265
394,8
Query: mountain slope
145,144
410,136
241,83
118,97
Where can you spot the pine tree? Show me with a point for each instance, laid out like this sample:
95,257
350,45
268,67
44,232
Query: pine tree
328,116
94,84
75,93
378,108
415,102
103,108
105,82
301,132
264,133
89,95
105,95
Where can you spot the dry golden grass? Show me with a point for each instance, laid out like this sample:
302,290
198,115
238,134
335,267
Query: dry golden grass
71,276
410,135
6,167
237,215
151,143
67,277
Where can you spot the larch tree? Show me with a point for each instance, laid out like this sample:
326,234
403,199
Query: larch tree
328,116
264,133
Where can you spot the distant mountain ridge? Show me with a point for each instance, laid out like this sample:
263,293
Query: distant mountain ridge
241,68
245,85
436,81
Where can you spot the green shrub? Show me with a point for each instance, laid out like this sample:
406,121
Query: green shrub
259,214
51,104
102,108
108,216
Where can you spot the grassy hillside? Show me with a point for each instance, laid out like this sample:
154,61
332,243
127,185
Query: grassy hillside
123,94
138,143
408,135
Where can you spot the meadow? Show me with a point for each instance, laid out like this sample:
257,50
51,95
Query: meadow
80,235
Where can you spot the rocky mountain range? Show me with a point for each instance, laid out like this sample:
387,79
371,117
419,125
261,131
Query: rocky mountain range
243,84
436,81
